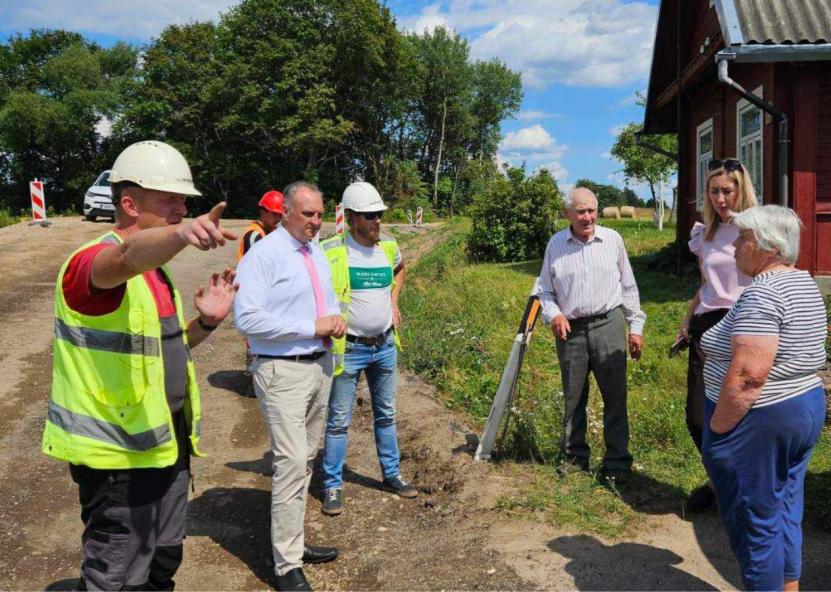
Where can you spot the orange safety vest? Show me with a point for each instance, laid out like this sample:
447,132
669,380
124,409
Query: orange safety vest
255,226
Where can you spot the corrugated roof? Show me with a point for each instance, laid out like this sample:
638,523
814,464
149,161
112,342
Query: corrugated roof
785,21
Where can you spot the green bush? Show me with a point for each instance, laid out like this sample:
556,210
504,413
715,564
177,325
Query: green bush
7,218
514,218
395,215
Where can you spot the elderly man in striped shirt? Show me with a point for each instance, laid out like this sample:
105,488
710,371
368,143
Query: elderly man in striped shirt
588,295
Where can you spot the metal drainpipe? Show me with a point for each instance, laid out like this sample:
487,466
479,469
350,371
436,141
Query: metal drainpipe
784,137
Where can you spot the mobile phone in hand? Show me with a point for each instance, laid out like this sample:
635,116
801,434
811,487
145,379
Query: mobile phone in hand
682,344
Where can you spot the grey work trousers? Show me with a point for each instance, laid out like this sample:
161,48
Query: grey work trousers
596,344
294,398
134,522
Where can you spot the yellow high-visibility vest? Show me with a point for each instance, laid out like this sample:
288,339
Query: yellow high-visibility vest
335,250
108,408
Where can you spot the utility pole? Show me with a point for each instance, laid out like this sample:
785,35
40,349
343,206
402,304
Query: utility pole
660,206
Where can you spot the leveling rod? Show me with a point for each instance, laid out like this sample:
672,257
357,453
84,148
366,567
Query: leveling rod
510,375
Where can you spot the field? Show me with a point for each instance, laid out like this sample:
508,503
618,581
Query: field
461,319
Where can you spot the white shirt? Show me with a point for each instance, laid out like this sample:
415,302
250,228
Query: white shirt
275,307
585,279
370,284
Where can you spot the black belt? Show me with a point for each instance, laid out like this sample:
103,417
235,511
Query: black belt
303,357
597,317
373,340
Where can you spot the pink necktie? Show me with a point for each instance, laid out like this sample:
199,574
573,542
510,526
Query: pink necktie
320,302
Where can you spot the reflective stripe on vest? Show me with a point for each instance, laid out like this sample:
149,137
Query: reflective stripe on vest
84,425
256,227
108,407
112,341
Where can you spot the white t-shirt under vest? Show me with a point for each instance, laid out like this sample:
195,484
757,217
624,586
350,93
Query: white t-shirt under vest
370,280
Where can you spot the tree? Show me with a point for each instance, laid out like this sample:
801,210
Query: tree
444,103
641,164
55,89
514,218
607,195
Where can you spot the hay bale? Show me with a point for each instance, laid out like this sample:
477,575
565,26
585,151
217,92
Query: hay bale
627,212
611,212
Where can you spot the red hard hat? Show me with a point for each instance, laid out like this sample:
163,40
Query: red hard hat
272,201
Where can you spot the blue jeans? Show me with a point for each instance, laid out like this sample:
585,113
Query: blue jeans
380,363
758,472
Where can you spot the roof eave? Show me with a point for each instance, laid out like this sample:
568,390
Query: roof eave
728,18
818,52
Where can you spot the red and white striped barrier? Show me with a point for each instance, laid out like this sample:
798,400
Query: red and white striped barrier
419,216
339,225
38,200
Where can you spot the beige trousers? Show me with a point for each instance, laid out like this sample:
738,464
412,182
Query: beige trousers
294,398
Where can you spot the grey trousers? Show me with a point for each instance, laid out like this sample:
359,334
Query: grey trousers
596,344
294,398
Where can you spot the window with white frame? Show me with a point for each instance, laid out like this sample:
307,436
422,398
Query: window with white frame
704,154
749,133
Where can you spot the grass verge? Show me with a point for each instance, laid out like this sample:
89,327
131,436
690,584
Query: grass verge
460,320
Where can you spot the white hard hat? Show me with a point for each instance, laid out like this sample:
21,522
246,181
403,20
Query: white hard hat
362,197
154,165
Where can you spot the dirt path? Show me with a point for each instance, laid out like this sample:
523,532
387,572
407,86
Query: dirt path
451,537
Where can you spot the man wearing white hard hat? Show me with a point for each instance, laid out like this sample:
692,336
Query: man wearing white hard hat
124,409
367,274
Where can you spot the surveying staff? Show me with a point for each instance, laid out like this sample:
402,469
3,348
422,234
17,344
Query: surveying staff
588,294
125,409
271,212
288,311
367,273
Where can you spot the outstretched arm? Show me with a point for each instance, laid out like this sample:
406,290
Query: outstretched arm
150,248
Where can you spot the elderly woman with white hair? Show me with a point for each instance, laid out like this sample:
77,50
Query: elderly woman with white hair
765,406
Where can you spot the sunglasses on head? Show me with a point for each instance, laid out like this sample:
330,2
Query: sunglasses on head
728,164
371,215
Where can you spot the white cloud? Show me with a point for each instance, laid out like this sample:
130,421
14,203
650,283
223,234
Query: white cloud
534,115
122,18
598,43
535,147
529,139
104,127
429,20
616,129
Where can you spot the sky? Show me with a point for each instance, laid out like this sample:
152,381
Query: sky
581,61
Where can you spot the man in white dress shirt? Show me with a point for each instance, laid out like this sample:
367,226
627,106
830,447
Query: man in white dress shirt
288,311
588,295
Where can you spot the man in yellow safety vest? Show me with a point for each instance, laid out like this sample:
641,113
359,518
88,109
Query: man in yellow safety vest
124,409
367,275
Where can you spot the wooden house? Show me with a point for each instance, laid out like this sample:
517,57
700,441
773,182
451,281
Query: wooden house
749,79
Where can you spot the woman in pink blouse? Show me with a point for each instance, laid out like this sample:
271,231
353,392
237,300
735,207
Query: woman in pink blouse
729,190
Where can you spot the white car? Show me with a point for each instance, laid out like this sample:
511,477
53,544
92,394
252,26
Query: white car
98,200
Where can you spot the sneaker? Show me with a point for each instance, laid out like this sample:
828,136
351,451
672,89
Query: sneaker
332,502
399,486
701,499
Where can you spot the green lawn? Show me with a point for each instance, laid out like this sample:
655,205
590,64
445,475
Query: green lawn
460,323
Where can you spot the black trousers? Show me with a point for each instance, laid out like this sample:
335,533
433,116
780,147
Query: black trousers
134,522
699,324
597,345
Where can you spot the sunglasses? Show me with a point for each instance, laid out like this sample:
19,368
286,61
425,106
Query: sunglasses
371,215
728,164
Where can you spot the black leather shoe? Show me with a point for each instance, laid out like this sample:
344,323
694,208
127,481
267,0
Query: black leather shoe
294,579
313,554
